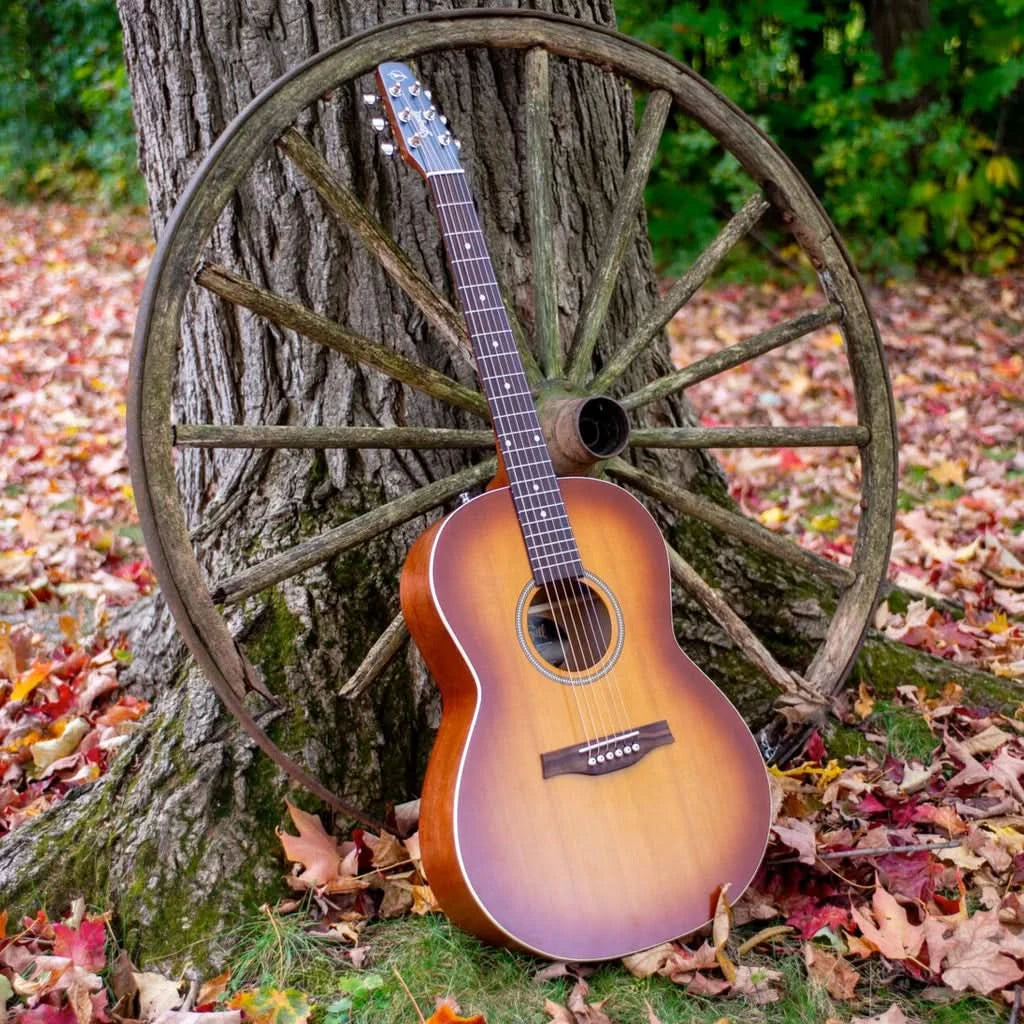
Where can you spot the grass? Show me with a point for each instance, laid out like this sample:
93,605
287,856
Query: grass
907,734
424,958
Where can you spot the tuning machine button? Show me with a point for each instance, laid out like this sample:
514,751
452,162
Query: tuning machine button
378,124
370,99
387,148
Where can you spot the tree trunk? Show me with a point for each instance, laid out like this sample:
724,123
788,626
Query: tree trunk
891,23
180,833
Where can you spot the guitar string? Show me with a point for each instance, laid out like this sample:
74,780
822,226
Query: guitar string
585,634
494,323
573,605
586,645
448,210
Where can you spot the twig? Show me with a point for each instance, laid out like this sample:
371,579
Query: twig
874,851
401,981
1015,1012
280,943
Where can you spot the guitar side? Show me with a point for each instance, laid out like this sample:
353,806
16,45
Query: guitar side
573,865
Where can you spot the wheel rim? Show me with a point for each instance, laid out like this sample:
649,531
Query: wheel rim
152,437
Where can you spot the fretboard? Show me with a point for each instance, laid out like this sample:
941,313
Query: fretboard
549,540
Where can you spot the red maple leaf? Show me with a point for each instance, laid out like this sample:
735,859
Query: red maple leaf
83,945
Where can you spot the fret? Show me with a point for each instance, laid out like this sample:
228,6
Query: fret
545,526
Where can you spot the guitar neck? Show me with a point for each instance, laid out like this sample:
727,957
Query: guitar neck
549,540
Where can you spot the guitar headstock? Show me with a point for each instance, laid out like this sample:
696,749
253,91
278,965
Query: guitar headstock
420,131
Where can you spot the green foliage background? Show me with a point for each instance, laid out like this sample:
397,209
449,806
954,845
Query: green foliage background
916,150
66,125
918,158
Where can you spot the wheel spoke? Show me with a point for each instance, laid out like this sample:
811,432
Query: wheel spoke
294,315
751,437
738,631
682,291
623,223
734,355
378,657
215,435
349,535
343,203
730,523
538,194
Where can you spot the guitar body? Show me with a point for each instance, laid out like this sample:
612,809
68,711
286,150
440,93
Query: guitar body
529,850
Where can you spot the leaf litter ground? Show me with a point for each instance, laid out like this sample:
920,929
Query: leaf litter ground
938,921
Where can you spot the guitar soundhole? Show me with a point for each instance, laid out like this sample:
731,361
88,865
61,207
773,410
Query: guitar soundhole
573,627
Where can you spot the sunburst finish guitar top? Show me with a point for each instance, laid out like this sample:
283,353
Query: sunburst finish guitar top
590,791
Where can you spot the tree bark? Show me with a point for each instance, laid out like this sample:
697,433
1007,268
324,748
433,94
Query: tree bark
180,833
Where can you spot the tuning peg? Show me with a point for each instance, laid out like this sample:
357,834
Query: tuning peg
378,124
443,119
388,149
428,94
370,99
457,144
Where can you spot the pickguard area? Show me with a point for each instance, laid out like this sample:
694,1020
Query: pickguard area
607,754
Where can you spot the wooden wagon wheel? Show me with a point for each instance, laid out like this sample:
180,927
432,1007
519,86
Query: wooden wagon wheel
666,86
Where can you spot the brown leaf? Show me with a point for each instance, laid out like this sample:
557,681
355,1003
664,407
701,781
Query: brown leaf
832,972
757,984
799,835
577,1010
649,961
890,930
388,851
980,955
683,962
313,848
423,899
397,899
894,1015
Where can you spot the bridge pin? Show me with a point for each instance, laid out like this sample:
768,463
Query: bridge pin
591,761
600,758
618,752
636,747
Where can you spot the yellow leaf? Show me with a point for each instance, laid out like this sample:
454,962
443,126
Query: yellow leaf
825,523
45,752
29,680
773,516
865,702
999,623
948,472
271,1005
1001,171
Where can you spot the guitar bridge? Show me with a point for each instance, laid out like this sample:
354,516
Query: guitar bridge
607,753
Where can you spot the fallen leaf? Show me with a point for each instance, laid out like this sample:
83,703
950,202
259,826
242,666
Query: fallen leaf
888,929
577,1010
832,972
211,991
47,752
157,994
445,1014
980,955
313,848
894,1015
269,1005
196,1017
649,961
84,945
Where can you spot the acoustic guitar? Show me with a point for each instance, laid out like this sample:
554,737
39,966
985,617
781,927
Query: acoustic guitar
590,790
